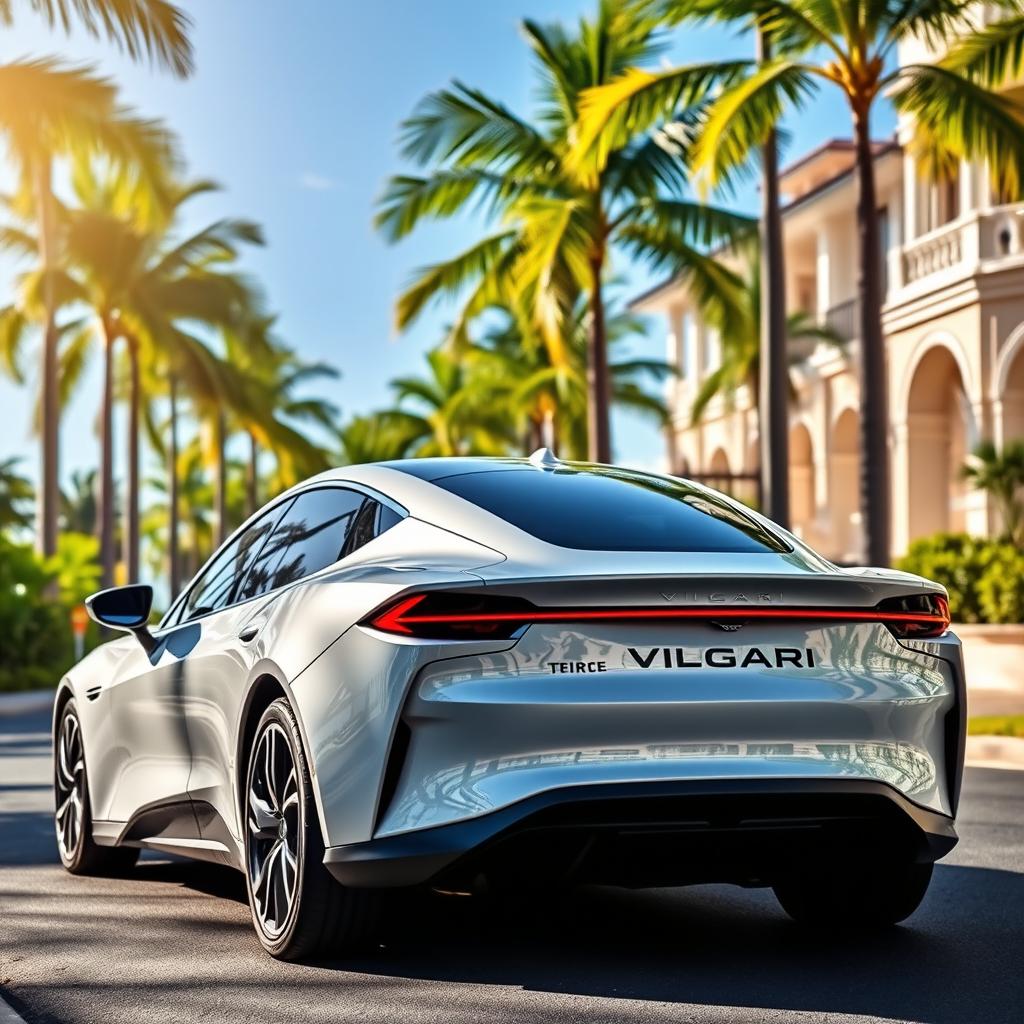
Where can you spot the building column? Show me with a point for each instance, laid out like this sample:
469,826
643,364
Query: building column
823,273
968,191
899,460
911,199
897,229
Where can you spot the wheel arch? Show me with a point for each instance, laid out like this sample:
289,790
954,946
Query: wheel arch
65,692
267,685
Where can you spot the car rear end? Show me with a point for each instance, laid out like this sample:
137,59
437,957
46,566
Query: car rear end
598,735
654,686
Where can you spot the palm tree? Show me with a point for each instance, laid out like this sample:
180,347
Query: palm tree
1001,474
156,29
447,412
182,534
275,408
78,505
16,495
140,281
849,46
48,110
377,437
547,403
556,223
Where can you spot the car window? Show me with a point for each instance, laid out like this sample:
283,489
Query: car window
218,585
364,526
386,518
312,535
613,510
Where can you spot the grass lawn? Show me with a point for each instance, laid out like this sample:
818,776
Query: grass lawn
996,725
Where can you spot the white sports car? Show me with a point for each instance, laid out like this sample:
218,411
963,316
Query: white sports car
495,672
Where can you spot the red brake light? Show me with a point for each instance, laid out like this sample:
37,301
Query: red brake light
916,618
443,615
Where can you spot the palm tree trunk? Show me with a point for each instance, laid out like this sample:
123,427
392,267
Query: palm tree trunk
875,484
131,534
773,383
173,551
220,528
105,502
599,434
48,496
252,480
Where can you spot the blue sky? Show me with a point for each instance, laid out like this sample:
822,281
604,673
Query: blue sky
294,108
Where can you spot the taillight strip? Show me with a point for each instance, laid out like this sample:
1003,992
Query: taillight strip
397,619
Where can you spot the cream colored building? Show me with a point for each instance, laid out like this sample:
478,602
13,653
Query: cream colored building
953,270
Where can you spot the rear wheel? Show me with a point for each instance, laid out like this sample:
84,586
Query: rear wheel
297,907
859,896
72,816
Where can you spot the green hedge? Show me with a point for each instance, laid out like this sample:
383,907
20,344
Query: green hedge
985,578
37,644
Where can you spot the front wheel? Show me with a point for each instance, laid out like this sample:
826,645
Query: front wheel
874,896
72,816
298,909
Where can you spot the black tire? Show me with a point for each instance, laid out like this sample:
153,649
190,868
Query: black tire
317,914
873,897
72,814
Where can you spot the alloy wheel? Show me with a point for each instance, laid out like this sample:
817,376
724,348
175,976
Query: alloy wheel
69,784
274,832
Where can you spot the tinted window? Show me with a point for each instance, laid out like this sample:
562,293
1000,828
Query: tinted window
364,526
312,535
217,586
612,510
386,518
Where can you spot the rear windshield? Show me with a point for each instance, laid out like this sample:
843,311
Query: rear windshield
612,510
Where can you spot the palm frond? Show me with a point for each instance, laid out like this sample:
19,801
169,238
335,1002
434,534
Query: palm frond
451,277
407,200
961,119
692,222
717,289
992,54
13,328
745,114
142,28
639,100
465,126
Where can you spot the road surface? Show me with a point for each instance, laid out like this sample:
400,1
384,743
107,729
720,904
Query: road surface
173,943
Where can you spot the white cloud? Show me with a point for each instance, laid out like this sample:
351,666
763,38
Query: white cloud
316,182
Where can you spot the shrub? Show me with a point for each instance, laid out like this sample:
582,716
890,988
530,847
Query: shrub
37,647
1001,588
985,578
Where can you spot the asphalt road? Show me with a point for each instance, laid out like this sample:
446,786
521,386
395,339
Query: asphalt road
173,943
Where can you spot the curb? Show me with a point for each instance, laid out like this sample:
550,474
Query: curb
995,752
25,702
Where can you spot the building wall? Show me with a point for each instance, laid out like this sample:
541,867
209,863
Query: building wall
954,328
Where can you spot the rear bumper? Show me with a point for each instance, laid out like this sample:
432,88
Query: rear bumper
658,833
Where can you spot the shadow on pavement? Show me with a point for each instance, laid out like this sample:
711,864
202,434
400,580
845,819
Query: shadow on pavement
958,959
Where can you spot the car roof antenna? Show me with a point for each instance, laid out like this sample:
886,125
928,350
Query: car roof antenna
545,458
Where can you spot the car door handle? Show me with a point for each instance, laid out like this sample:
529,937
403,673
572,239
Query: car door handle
249,632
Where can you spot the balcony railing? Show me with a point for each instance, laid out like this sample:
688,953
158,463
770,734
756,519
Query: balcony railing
969,244
938,250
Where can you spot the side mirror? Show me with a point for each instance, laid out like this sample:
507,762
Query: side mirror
125,608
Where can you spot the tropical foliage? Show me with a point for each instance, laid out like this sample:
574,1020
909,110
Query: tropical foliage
553,225
849,46
1000,473
16,497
